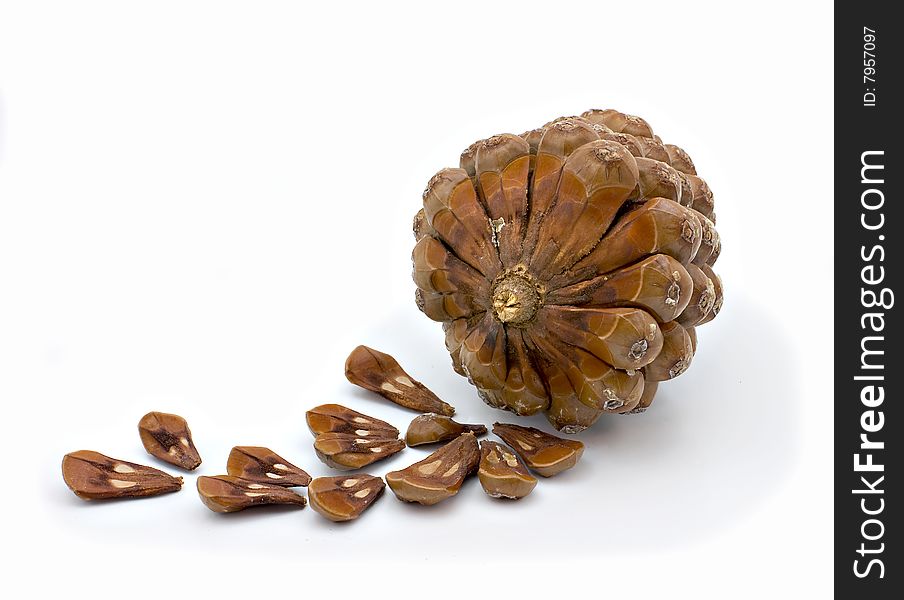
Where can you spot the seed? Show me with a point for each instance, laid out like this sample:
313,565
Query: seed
343,499
335,418
341,443
256,463
419,482
225,493
93,476
168,437
379,372
346,451
432,428
506,478
547,454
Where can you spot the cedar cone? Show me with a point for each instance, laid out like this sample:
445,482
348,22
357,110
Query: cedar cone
569,266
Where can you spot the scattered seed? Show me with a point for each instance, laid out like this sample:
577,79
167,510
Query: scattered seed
432,428
501,473
168,437
346,451
418,482
225,493
256,463
344,499
335,418
547,454
93,476
378,372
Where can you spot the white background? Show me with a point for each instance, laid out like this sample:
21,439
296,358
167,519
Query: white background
204,206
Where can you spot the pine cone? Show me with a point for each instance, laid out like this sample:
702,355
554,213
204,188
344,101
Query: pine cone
569,266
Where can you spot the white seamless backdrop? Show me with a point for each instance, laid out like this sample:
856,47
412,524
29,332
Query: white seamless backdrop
204,206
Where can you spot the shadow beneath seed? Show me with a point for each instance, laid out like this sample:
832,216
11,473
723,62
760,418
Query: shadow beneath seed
72,500
254,512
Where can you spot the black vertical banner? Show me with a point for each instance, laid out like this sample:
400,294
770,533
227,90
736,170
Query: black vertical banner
869,266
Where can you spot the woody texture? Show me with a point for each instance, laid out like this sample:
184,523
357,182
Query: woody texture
569,266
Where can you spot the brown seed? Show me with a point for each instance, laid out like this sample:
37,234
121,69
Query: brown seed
344,498
440,475
346,451
224,494
380,373
545,454
335,418
93,476
264,465
432,428
501,473
168,438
